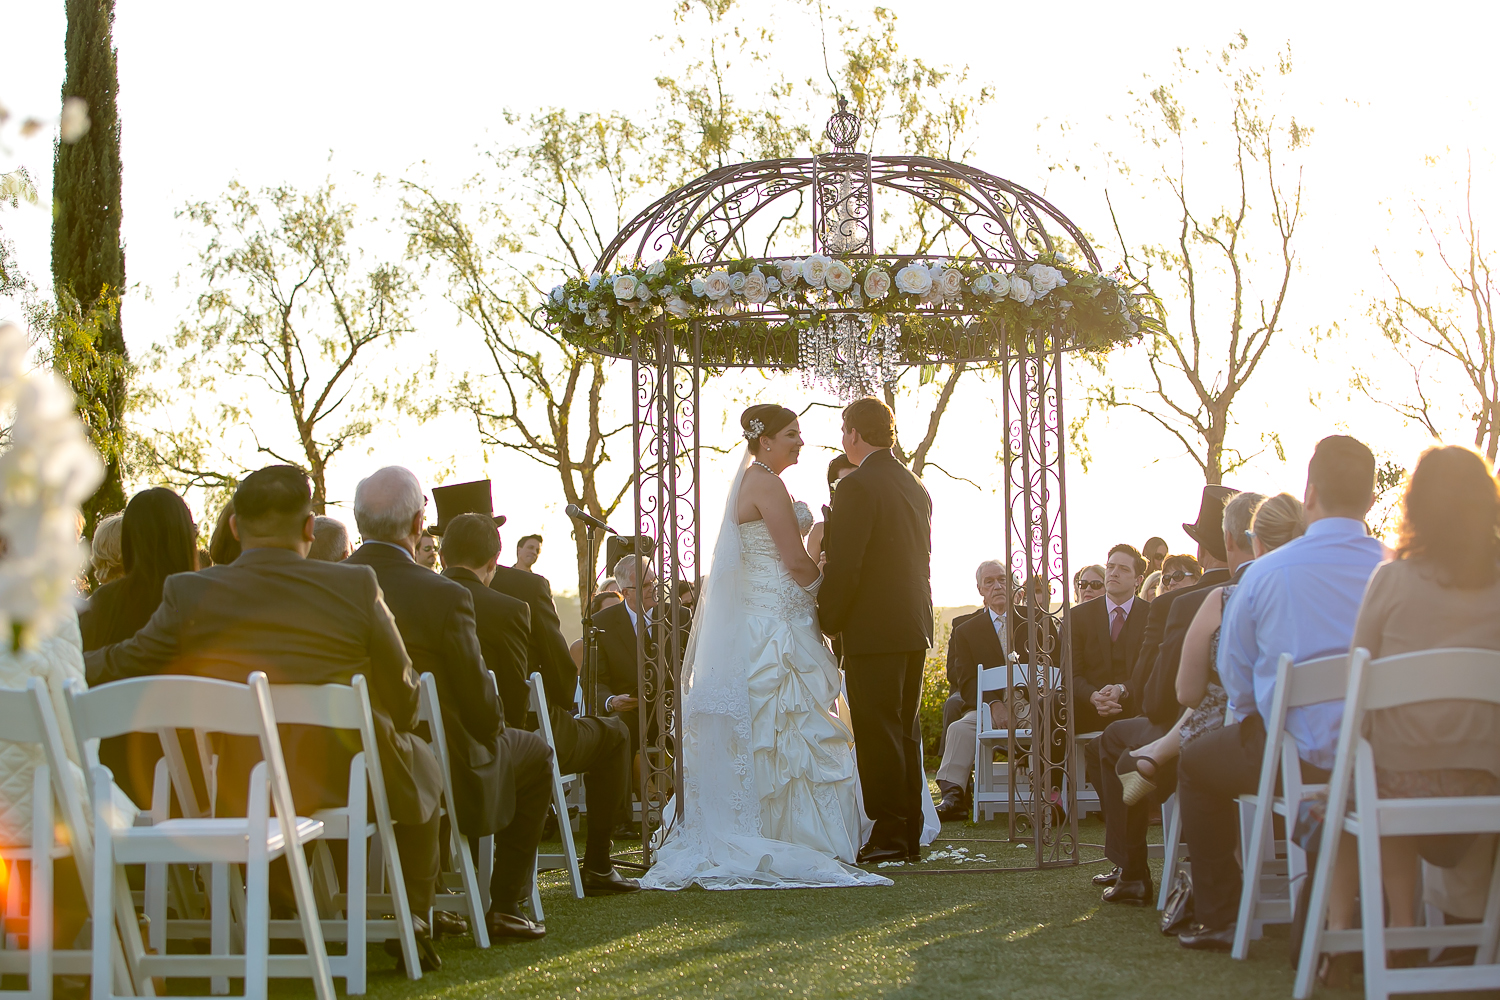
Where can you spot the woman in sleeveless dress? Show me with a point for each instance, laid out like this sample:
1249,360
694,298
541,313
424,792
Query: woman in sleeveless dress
769,797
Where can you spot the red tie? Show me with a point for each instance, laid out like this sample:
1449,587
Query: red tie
1117,625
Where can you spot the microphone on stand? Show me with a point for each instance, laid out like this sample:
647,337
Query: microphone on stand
579,514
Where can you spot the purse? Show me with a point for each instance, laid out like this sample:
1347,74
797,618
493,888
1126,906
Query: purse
1178,913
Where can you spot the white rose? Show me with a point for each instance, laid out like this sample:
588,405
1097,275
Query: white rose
755,288
603,318
699,286
1000,285
815,270
642,292
773,284
982,285
625,287
914,279
737,283
575,305
951,282
558,295
838,276
877,284
679,307
660,267
791,270
594,280
1020,290
1044,278
716,284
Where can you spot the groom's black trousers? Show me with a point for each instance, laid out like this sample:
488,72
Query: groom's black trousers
884,691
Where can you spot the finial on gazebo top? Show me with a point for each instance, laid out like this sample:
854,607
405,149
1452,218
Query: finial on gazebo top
843,127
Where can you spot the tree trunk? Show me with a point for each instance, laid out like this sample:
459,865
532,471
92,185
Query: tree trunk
88,261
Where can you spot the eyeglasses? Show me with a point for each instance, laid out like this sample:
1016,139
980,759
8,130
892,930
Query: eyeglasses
1178,577
1090,585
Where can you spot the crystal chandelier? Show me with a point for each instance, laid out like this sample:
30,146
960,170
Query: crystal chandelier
849,355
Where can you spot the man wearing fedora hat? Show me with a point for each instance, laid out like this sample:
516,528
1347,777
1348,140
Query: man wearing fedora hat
1134,704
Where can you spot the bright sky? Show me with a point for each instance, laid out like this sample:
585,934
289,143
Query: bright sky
286,91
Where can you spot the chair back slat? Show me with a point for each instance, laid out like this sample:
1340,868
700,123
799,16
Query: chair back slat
334,705
167,701
1316,681
1433,675
19,722
1001,677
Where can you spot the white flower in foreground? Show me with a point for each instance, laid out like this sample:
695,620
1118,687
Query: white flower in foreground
679,307
914,279
558,295
755,288
660,267
951,282
1020,290
815,270
737,282
791,271
594,280
625,287
642,291
838,276
999,285
877,284
699,286
1044,278
716,284
75,120
982,285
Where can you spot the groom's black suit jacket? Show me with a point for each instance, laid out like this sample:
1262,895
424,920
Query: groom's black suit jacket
877,589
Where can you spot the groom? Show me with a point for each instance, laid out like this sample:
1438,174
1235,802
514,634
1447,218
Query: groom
877,596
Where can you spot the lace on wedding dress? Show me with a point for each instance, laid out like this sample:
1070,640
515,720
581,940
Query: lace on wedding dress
739,770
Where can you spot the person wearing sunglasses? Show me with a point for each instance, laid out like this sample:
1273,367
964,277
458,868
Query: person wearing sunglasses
1088,583
1180,573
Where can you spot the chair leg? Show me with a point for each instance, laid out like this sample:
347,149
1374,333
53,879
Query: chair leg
355,911
1488,938
1372,904
104,890
536,898
39,980
257,928
1258,825
465,860
570,849
1171,848
219,922
486,862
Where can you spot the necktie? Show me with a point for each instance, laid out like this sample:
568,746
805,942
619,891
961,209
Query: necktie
1117,625
1002,633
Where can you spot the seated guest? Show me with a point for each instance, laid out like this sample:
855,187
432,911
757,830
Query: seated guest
1107,635
330,540
1151,585
594,748
1125,829
1301,599
1088,583
686,594
501,776
427,551
987,638
1155,551
105,558
157,539
302,622
1180,573
223,547
1442,589
603,599
1276,522
503,622
619,681
528,551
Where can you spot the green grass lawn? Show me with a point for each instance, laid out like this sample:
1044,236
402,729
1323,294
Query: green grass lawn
1003,934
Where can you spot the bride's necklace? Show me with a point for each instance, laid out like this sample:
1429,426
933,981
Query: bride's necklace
763,465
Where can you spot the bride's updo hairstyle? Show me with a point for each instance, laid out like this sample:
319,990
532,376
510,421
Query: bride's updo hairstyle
764,420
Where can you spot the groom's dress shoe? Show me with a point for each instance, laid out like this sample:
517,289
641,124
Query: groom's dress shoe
1132,893
611,883
1200,938
1108,878
872,855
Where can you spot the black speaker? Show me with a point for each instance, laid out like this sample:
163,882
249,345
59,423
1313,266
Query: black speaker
617,547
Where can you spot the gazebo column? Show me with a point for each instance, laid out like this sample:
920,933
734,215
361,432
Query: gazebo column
1036,550
665,377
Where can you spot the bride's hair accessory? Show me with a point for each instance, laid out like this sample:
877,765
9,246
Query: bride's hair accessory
764,420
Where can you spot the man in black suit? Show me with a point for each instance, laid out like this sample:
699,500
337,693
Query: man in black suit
547,649
593,747
1107,635
302,622
877,596
985,638
502,777
1223,518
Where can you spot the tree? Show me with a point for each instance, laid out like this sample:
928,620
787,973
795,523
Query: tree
1449,345
88,260
288,312
1236,249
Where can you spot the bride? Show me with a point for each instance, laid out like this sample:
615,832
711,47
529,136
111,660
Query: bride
769,798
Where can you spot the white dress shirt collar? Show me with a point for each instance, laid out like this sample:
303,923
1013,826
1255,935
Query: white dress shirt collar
1110,605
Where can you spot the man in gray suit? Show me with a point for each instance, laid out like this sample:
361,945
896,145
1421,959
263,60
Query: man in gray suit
302,621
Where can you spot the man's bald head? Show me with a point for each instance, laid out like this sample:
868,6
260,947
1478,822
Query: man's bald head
387,503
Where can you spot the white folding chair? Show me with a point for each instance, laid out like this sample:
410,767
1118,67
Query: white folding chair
27,717
1391,682
1171,848
993,782
1299,685
148,704
347,706
568,859
463,894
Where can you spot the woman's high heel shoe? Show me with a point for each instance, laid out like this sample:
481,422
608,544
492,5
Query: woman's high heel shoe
1135,784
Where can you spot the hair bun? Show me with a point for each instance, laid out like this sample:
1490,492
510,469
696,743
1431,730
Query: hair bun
765,419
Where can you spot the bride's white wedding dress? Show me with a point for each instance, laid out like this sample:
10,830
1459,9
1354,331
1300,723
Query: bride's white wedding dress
770,798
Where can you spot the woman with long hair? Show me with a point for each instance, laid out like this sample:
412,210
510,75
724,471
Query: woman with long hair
157,539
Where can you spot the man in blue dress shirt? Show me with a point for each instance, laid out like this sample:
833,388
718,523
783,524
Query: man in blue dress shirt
1300,599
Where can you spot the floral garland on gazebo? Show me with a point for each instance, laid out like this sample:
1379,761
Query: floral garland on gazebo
927,297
